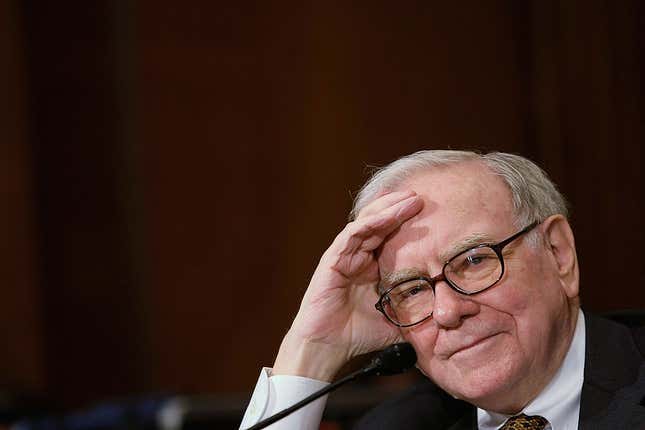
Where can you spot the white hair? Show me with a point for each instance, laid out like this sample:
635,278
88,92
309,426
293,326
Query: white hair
535,196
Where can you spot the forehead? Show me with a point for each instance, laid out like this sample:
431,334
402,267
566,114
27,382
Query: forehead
461,201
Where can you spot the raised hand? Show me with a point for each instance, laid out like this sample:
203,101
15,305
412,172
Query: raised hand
337,319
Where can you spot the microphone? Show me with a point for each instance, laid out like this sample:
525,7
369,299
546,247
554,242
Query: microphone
392,360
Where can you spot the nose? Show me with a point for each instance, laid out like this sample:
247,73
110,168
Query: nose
450,307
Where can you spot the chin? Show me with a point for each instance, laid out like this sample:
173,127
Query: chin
484,386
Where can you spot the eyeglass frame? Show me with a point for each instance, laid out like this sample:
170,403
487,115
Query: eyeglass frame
496,247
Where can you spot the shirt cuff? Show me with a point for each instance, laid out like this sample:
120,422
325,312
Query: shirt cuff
273,394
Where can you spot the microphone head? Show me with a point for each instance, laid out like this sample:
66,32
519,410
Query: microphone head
394,359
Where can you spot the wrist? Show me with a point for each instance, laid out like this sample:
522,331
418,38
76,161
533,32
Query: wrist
302,357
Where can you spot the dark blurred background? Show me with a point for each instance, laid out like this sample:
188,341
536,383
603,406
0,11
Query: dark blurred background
171,172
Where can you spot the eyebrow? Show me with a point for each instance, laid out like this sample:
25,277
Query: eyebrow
472,240
396,277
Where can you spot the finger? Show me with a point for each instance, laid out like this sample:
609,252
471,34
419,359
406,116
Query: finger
383,202
367,233
382,223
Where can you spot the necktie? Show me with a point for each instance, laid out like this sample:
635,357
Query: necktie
524,422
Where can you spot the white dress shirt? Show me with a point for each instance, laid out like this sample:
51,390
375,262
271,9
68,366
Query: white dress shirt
559,402
273,394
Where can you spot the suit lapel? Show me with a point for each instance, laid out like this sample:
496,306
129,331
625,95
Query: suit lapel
614,384
620,410
468,421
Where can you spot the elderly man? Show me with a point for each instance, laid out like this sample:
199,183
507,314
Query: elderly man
471,259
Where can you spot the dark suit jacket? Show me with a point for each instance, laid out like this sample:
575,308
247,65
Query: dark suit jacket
613,392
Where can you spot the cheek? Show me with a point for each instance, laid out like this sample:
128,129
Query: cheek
516,293
533,299
536,290
422,334
423,337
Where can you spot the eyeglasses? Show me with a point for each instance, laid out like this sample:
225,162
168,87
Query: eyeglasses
472,271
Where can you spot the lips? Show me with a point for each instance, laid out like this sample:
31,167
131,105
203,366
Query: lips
470,343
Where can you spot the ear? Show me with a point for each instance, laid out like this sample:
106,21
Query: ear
559,241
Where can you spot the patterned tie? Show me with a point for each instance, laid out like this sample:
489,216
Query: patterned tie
523,422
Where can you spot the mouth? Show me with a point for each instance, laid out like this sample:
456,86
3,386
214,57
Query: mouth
471,345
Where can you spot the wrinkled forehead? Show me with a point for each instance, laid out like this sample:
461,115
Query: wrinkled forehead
460,201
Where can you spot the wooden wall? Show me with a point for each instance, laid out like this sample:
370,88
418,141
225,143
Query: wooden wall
173,172
22,361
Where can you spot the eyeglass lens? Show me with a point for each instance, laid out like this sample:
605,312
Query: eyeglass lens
470,272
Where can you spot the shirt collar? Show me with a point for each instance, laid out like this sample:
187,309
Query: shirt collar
559,402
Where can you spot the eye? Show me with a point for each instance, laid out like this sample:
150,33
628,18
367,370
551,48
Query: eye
410,290
474,269
474,260
477,257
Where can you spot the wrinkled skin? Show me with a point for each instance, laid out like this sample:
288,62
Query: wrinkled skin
499,348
